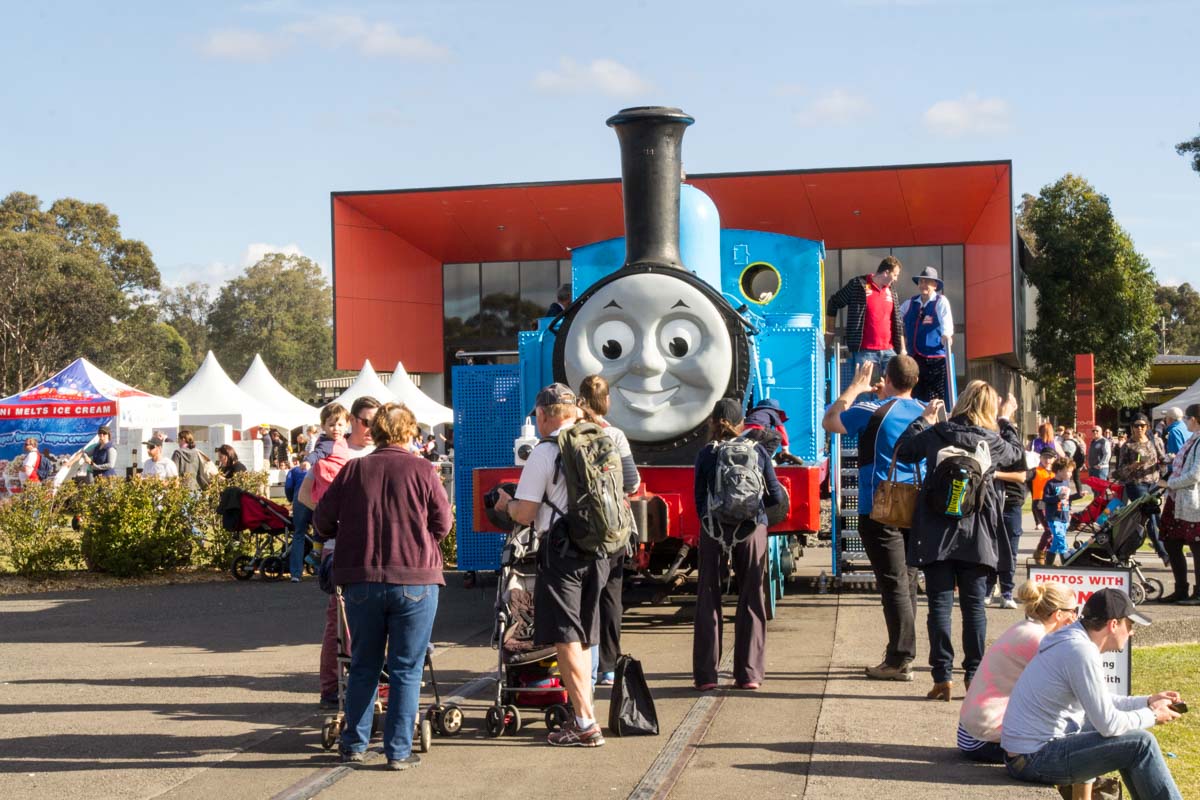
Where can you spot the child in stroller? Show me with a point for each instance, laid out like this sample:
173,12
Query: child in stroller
1107,497
1116,542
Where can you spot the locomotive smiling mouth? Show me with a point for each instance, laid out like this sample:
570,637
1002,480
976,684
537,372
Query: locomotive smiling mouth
647,402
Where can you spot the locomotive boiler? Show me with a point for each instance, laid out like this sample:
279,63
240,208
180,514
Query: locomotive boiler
677,314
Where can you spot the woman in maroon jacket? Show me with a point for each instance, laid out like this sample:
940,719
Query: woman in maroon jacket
388,511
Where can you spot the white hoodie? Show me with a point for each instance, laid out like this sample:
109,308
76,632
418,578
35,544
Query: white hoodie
1063,687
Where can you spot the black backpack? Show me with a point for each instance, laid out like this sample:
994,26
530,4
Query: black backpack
45,467
955,485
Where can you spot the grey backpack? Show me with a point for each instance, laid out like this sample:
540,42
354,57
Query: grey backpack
735,493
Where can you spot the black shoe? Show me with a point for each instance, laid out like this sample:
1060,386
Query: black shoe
1194,600
328,702
1175,596
402,764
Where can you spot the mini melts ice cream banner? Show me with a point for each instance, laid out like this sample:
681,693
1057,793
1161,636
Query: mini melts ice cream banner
62,413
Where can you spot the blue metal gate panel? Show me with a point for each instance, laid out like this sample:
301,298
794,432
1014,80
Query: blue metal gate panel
487,419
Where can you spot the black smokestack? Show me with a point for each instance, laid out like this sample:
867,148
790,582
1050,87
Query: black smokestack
651,171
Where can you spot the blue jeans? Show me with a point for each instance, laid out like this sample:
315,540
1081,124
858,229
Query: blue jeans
1099,472
1132,492
1082,756
301,519
879,358
399,618
1012,527
940,579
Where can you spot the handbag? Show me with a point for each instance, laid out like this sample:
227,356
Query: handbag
895,502
207,466
631,708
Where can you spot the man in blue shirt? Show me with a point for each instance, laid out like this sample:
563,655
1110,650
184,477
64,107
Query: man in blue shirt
1177,432
878,424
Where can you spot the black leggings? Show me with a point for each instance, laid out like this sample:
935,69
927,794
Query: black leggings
1179,562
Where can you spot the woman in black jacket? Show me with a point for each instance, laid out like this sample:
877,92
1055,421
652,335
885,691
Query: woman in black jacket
960,551
746,543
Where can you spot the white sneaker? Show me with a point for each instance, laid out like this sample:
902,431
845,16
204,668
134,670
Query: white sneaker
992,600
1008,602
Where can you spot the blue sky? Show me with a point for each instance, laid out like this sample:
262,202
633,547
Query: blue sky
217,130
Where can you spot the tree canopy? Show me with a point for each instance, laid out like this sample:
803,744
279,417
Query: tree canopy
1190,148
1096,294
281,308
1180,307
71,285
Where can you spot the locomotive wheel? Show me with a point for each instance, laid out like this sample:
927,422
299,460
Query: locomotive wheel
493,722
557,716
243,568
512,721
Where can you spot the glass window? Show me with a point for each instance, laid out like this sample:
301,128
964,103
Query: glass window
539,283
498,278
861,262
952,274
460,291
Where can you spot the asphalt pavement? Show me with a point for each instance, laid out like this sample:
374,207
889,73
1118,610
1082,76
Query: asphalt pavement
209,690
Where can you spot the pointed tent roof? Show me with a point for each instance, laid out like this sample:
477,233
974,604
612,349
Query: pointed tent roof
1183,400
212,398
259,383
138,409
367,383
428,411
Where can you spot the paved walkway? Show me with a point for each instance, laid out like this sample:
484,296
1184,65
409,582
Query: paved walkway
208,690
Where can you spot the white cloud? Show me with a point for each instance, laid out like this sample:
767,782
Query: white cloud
255,252
601,75
970,115
333,31
834,107
374,39
241,45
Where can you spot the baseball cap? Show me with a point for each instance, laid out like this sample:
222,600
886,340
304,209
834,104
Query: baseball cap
728,409
104,429
555,394
1111,603
154,441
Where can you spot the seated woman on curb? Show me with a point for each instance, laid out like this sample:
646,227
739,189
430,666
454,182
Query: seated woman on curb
1048,607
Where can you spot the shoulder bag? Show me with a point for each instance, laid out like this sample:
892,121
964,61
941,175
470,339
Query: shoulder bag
895,502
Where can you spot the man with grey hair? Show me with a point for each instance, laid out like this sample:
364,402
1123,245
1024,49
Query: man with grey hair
1099,454
1176,433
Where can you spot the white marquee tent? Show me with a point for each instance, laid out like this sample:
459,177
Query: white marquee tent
428,411
212,398
287,410
135,408
367,383
1183,400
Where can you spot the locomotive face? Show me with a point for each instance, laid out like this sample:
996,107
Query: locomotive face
662,346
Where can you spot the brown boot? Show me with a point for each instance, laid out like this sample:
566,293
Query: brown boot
941,691
1039,556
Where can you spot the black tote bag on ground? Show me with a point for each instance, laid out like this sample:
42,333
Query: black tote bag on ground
631,708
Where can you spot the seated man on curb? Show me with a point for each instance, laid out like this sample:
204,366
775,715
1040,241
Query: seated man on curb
567,597
1062,724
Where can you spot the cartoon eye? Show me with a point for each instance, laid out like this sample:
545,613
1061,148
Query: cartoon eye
679,337
612,339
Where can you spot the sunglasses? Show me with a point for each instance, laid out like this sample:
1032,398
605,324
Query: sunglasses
1140,425
366,423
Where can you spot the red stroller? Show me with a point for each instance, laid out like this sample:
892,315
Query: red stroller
271,526
1107,497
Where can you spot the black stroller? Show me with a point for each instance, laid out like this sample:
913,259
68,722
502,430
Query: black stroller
270,525
1116,542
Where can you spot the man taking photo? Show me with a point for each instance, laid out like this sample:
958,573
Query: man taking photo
1064,726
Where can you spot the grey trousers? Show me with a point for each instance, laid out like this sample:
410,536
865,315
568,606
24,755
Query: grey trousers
750,622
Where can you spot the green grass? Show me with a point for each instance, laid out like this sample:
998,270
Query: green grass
1168,667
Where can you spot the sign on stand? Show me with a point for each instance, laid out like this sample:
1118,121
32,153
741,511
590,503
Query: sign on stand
1084,582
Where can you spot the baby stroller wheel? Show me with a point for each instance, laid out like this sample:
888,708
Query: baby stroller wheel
557,716
424,736
1137,593
512,721
329,732
449,720
272,568
493,722
1153,588
243,568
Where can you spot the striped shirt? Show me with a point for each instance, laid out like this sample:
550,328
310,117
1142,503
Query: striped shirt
853,298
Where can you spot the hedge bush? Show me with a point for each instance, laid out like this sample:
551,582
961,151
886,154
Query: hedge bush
35,530
139,526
